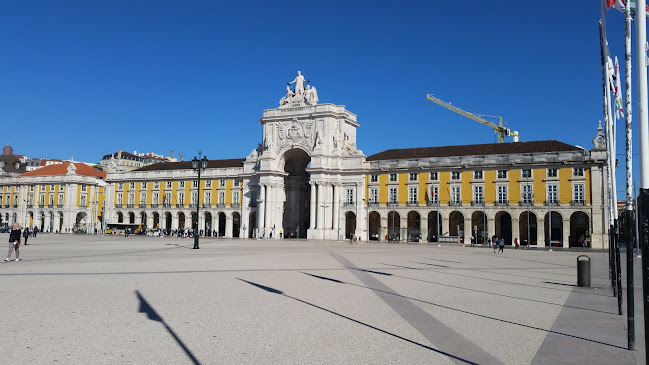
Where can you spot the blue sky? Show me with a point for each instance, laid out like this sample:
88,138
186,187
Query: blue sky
84,79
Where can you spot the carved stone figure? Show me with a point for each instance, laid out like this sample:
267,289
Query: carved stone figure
299,85
311,95
288,97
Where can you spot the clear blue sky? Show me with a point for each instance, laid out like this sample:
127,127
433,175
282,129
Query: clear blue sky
86,78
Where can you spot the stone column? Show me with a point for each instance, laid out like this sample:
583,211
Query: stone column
149,220
217,224
261,208
403,227
446,222
336,208
312,205
540,228
516,229
228,226
423,227
269,206
320,207
491,226
174,221
566,232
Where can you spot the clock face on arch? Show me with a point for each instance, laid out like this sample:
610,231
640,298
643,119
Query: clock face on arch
17,165
2,164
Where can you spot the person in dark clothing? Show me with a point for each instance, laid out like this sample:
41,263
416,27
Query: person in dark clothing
26,235
14,242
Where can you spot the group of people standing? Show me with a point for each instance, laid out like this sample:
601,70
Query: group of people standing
14,240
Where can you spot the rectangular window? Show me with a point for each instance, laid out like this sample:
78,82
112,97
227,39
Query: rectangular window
455,175
578,193
221,201
194,197
455,195
578,171
393,177
31,188
131,185
119,198
374,195
413,176
168,184
236,182
502,194
208,183
120,186
143,186
62,187
235,198
142,198
434,195
207,199
412,195
166,199
52,199
155,198
502,174
477,175
156,185
181,184
374,178
552,172
221,183
60,199
194,183
478,194
349,198
51,187
526,173
393,196
433,175
131,198
82,203
552,194
526,194
84,188
181,199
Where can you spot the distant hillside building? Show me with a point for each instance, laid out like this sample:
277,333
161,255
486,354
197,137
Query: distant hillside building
125,161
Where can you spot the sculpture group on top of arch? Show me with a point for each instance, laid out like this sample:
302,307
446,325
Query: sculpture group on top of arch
301,94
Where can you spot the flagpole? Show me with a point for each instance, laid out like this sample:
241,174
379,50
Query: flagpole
628,218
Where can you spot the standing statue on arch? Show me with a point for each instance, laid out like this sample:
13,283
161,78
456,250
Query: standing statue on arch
299,82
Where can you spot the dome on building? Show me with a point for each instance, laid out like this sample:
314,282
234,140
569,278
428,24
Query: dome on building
7,150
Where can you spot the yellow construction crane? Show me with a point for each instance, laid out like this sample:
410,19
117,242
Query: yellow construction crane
501,131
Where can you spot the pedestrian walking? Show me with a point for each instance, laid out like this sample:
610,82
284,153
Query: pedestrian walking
26,235
14,242
501,245
515,242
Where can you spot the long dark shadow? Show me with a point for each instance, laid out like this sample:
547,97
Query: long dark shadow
479,315
275,291
436,265
146,308
403,267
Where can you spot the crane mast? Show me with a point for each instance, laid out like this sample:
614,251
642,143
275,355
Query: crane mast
501,132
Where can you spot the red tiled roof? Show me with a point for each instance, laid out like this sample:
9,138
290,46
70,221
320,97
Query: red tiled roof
62,169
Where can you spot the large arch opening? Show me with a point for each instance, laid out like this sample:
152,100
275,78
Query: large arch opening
208,223
527,228
479,226
556,228
579,230
168,222
131,217
394,222
120,217
80,222
434,226
456,224
350,224
298,192
413,226
252,224
60,229
375,226
504,227
181,220
236,224
221,224
156,220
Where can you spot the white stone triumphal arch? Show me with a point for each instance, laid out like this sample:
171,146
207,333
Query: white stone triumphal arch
306,175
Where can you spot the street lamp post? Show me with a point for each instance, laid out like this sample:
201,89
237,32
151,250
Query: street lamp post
198,164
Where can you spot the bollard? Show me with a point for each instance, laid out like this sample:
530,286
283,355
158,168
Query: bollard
583,271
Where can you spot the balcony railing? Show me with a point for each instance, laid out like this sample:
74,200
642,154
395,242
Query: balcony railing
142,205
118,205
477,203
392,204
154,205
180,205
431,203
50,205
59,205
578,202
348,203
526,203
83,206
373,203
412,204
15,205
551,202
206,205
234,205
30,205
455,203
40,205
130,205
502,203
220,205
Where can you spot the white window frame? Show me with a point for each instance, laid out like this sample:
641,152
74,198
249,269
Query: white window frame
181,199
221,200
412,195
434,176
194,198
181,184
155,198
194,183
552,191
552,172
526,173
527,196
235,197
578,193
434,198
578,172
143,186
131,185
413,176
208,183
349,197
156,185
456,175
478,194
393,177
501,174
221,183
456,194
374,195
393,195
501,194
120,198
478,175
374,178
168,184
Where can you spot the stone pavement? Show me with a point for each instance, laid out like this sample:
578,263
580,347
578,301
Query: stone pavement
111,300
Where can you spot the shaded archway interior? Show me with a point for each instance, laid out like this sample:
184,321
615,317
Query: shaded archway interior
296,184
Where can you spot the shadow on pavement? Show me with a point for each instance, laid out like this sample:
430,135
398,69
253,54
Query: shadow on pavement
275,291
146,308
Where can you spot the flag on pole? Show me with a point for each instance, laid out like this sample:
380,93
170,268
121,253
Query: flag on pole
617,90
620,4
